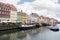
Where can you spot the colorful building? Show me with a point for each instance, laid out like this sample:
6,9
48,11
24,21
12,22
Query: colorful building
47,20
13,13
22,17
4,12
19,17
34,18
42,19
53,21
7,12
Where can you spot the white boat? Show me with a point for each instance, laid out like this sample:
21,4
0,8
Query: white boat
54,28
29,26
24,25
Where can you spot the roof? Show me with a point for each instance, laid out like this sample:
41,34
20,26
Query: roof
34,14
47,18
22,13
12,7
42,17
3,4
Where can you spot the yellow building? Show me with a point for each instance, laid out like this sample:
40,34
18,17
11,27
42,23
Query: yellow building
37,16
42,19
24,17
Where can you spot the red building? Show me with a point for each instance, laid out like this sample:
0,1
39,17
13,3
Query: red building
4,10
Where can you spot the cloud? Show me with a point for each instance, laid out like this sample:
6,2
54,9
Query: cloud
55,1
10,1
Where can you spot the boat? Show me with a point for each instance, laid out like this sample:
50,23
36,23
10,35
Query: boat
29,26
25,26
45,24
54,28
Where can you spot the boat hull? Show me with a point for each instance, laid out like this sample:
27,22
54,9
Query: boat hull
26,28
54,29
29,27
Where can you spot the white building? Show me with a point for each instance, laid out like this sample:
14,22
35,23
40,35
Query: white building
33,18
13,14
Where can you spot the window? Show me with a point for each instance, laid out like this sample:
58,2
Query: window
0,8
0,12
4,8
8,9
4,12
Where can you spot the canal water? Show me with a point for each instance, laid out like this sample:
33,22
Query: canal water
42,33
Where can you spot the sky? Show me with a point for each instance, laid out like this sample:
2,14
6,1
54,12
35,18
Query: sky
47,8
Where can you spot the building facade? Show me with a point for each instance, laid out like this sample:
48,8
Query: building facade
42,19
19,17
4,12
13,13
34,18
47,20
22,17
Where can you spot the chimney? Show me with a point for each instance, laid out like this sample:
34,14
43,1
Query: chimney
21,10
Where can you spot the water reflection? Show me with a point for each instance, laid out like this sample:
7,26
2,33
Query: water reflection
4,37
22,34
42,33
13,36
